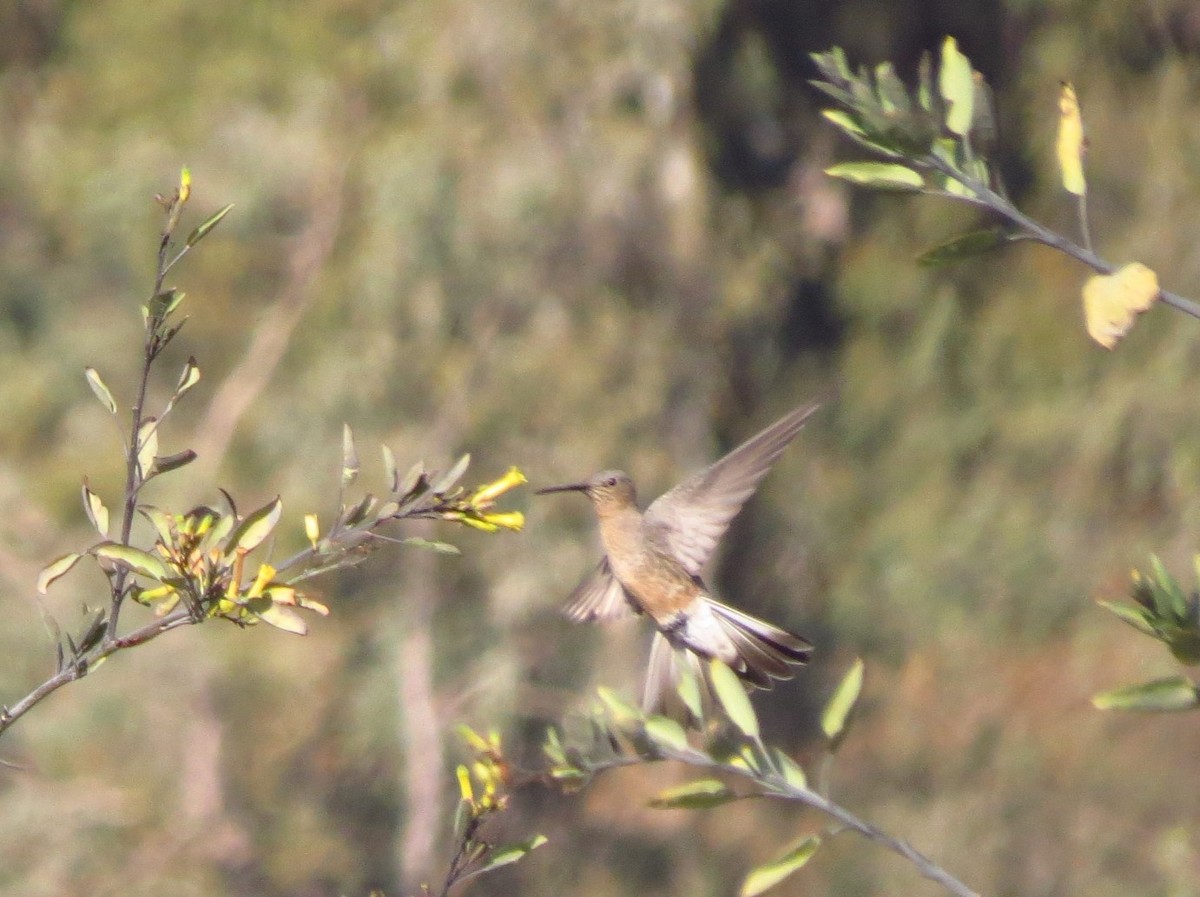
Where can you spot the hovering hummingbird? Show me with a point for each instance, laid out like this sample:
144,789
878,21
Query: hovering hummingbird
653,560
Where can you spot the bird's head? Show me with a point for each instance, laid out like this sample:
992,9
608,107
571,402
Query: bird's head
609,490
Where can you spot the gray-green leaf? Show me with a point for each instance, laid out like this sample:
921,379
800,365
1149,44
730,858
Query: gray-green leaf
732,696
700,795
255,528
100,390
836,714
770,874
1174,693
883,175
55,569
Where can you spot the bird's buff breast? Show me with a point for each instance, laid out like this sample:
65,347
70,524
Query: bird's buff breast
659,585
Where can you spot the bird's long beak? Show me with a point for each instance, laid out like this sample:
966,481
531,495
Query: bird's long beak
568,487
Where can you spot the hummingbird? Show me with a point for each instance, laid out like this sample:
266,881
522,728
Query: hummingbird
653,560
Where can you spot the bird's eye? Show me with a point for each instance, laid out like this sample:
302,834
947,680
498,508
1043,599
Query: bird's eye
611,481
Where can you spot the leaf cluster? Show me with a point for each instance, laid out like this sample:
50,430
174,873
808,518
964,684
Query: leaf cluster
1162,610
729,749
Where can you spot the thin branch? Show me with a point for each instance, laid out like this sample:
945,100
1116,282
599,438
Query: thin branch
776,787
78,667
988,198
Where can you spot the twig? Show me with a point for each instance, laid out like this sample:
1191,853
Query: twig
989,199
776,787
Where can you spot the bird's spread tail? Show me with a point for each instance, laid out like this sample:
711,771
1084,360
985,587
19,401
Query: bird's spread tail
754,649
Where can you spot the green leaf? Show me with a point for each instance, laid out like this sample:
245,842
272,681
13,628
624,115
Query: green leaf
732,695
147,446
205,227
161,521
836,714
689,690
793,774
965,246
772,873
413,482
507,854
140,562
55,569
255,528
1174,693
844,121
95,510
619,709
893,95
282,617
1136,617
188,378
1169,597
350,463
390,475
462,815
956,84
445,482
167,463
100,390
701,795
666,733
925,82
882,175
164,303
429,545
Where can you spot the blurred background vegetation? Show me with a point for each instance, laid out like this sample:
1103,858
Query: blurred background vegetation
568,236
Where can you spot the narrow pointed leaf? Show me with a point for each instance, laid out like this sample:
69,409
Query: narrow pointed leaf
430,545
619,709
188,378
167,463
413,482
283,618
164,303
957,87
689,689
160,520
142,562
390,475
1175,603
350,463
699,795
792,772
666,733
447,480
883,175
1070,145
836,714
506,855
732,696
95,510
205,227
1134,616
256,527
147,446
772,873
100,390
1174,693
964,247
55,569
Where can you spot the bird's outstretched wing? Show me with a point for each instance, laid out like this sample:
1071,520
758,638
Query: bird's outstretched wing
690,519
599,597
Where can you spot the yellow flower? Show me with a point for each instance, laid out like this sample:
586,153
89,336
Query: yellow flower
485,495
513,520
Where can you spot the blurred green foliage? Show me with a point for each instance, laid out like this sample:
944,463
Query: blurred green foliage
568,236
